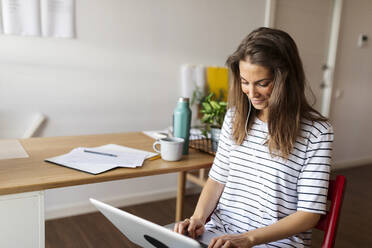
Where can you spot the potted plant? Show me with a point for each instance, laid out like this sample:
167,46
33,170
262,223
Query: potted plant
213,114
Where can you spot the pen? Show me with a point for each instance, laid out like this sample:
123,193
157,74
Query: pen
155,157
101,153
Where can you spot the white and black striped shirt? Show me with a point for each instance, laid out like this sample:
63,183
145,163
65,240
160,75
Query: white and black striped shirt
261,189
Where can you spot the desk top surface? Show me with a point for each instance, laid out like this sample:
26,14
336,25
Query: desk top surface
33,174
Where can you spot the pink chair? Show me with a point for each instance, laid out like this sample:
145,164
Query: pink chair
329,222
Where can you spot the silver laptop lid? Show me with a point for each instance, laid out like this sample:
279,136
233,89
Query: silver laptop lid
142,232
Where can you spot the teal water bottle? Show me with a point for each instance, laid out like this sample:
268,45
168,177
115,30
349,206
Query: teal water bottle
182,121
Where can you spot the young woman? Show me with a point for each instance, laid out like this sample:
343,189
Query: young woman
269,180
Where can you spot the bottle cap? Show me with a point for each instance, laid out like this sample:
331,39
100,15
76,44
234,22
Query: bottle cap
183,99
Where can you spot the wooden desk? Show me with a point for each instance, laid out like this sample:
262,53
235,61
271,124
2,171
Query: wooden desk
20,211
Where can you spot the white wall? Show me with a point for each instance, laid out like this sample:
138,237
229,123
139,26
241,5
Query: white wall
351,112
351,115
308,23
119,75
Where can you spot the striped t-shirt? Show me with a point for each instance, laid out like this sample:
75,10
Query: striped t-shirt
261,189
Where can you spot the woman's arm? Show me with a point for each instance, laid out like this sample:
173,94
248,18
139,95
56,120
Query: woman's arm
214,186
297,222
208,199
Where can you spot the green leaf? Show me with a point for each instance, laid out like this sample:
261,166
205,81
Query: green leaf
208,98
213,111
207,106
215,105
223,104
205,118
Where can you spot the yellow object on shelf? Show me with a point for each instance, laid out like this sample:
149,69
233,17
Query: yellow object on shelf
218,81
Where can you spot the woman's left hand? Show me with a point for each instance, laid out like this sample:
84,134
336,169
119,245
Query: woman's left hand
231,241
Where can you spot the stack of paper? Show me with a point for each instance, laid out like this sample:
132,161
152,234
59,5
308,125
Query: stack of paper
96,160
12,148
192,79
157,134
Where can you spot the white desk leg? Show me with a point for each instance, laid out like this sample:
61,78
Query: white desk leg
22,222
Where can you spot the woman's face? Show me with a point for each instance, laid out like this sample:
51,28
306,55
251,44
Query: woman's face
256,83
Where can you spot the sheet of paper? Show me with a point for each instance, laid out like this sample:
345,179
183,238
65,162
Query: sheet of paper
98,162
12,148
71,160
58,18
127,158
21,17
197,133
93,162
113,147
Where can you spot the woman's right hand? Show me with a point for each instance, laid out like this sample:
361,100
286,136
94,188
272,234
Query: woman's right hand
192,227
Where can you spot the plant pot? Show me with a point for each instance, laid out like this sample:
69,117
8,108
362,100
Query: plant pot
215,137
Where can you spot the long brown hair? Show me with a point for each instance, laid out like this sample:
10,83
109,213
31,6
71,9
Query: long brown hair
275,50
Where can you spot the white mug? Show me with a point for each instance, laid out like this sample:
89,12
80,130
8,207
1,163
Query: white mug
170,148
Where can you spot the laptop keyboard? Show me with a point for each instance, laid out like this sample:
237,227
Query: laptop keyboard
203,245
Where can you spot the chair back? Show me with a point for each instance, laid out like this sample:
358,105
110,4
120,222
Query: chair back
329,222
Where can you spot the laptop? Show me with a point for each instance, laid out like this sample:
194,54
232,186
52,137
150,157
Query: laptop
148,234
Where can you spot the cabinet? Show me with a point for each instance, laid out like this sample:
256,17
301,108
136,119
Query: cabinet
22,220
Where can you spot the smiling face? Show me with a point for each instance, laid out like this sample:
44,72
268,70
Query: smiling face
256,83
